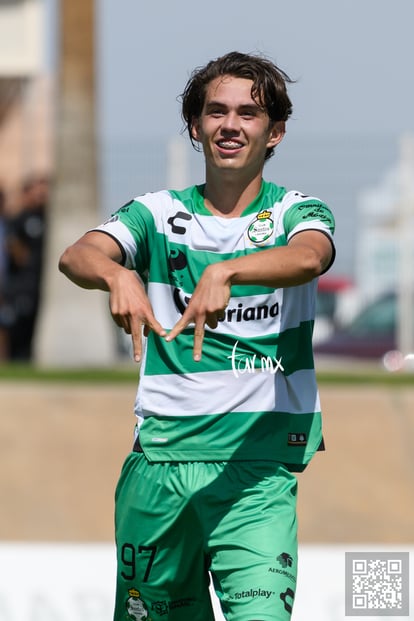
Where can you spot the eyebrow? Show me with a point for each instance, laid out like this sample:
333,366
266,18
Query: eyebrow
246,106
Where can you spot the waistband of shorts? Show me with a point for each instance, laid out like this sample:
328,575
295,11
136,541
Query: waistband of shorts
137,448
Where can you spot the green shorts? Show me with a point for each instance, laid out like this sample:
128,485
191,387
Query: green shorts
178,523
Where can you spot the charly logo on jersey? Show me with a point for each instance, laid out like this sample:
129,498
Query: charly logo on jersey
261,229
181,217
136,607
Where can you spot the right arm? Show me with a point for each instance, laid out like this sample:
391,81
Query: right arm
94,262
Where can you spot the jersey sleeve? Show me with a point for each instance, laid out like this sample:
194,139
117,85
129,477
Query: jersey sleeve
132,227
306,213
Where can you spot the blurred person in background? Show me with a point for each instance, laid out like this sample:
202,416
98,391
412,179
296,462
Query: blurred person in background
25,243
4,347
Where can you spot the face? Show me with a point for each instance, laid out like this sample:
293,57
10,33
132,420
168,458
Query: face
233,129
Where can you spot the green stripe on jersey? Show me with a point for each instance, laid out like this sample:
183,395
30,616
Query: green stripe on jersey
221,352
278,436
310,210
185,266
193,198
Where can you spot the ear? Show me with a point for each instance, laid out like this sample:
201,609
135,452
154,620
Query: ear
195,129
276,134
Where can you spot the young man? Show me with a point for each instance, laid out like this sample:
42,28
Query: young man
222,279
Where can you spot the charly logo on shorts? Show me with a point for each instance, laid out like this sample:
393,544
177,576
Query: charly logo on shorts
136,607
287,598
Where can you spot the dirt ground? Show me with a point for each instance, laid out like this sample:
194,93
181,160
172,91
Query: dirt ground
62,446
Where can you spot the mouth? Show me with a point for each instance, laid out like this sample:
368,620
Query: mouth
229,145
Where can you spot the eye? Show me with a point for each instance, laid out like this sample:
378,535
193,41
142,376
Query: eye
216,112
248,113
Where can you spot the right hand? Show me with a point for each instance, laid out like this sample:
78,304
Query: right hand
94,262
131,309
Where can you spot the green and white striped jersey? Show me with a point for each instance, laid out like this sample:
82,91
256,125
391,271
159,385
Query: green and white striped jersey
253,395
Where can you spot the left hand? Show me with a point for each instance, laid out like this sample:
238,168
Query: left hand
206,306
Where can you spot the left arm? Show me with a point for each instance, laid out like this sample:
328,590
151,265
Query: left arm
305,257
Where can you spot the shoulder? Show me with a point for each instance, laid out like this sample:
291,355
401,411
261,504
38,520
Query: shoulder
303,208
163,201
151,200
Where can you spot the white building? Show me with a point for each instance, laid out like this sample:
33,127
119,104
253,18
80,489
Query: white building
385,217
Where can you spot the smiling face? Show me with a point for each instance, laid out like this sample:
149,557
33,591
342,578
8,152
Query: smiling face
233,129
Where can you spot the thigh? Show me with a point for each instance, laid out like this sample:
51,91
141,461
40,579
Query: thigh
254,544
161,571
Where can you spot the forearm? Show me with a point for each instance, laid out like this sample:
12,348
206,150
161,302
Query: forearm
88,266
277,267
93,262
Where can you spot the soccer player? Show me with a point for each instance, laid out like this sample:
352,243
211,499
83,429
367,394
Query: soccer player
221,278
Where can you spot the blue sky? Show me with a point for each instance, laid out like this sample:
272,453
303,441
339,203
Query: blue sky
352,59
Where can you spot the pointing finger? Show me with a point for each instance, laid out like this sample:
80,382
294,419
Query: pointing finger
198,342
155,326
136,334
177,329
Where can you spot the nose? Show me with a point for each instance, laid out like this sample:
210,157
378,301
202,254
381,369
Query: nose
231,122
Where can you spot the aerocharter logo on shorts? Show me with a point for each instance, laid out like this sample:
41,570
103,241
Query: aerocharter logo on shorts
242,364
285,559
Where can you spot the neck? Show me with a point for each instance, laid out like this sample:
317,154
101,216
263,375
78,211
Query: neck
229,197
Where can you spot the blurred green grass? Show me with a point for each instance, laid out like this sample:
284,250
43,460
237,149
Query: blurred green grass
24,372
129,373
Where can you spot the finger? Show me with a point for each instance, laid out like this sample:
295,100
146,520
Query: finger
121,323
198,342
155,327
177,329
136,333
212,322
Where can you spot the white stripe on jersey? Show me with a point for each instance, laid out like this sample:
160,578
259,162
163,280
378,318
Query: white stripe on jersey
231,391
309,225
262,313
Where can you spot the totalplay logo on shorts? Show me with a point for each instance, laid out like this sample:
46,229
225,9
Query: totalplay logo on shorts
254,593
